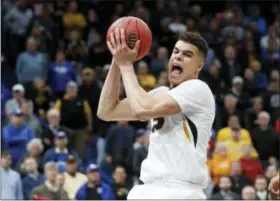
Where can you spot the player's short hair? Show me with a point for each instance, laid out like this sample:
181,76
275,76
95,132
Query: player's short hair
195,39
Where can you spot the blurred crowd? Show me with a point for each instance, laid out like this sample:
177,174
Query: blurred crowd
53,64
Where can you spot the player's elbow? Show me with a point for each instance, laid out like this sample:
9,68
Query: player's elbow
141,114
102,115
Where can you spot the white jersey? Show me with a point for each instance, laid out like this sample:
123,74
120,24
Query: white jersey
178,143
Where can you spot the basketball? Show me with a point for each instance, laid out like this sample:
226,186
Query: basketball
135,29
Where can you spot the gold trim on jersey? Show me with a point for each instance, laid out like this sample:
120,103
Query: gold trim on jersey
185,127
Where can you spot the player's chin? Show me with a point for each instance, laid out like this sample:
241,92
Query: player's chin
176,80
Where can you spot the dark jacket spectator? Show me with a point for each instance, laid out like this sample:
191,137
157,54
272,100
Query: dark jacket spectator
60,152
32,178
120,143
265,140
120,186
90,90
16,135
94,189
225,192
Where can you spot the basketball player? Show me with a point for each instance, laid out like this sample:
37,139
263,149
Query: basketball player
182,117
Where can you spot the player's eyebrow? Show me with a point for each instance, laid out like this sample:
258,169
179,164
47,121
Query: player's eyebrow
184,51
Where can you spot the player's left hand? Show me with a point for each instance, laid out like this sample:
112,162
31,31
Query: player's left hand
122,54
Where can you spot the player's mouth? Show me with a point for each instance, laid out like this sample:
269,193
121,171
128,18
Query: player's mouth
176,70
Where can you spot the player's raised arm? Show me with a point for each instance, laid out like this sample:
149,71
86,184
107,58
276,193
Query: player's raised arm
110,108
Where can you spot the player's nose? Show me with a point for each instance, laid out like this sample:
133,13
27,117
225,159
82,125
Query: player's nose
179,56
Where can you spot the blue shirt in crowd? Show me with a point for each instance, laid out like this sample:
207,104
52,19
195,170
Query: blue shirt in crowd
15,140
60,75
30,66
5,95
11,186
31,181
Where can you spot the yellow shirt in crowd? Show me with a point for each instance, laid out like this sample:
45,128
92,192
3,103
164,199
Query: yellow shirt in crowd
225,134
219,166
74,20
73,184
235,149
147,81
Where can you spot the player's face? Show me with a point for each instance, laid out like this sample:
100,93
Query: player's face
184,63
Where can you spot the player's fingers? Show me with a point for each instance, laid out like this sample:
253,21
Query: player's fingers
123,38
117,36
112,40
111,48
137,46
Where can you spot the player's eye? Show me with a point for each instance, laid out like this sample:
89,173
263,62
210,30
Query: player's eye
175,51
187,54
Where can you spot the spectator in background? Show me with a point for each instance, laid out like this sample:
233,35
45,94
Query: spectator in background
225,133
249,85
72,19
120,139
16,135
46,24
225,192
76,115
34,150
248,193
120,186
272,96
270,172
238,181
50,189
159,63
97,53
235,144
146,80
33,177
140,150
5,96
60,73
230,67
94,189
251,114
31,64
73,179
241,96
11,186
213,79
265,140
60,180
251,167
255,17
229,109
30,119
42,39
76,50
41,96
260,79
17,100
53,127
220,163
16,22
162,79
261,187
60,152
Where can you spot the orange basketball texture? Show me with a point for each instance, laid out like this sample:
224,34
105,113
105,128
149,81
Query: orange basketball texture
134,29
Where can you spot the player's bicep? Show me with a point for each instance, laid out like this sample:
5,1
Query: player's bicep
122,112
163,105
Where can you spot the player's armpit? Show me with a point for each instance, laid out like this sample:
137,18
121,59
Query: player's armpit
160,106
121,112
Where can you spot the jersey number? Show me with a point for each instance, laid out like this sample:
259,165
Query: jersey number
157,124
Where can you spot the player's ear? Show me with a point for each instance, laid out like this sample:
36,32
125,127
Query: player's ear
199,68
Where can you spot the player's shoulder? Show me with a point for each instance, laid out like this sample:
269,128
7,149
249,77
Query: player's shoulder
158,90
197,85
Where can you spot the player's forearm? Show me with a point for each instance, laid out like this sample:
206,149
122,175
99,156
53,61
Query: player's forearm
139,100
110,92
